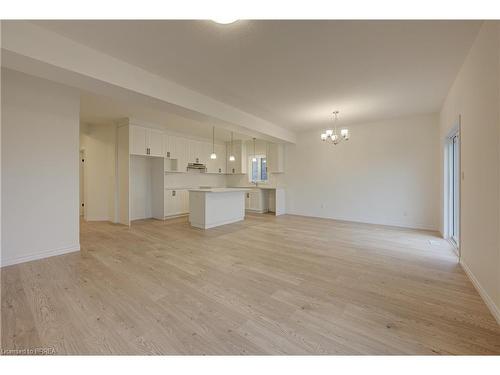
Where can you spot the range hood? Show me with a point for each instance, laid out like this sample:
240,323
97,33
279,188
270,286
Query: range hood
197,166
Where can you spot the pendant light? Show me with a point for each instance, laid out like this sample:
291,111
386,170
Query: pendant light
254,159
231,155
213,156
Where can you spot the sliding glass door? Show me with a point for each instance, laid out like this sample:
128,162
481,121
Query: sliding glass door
454,185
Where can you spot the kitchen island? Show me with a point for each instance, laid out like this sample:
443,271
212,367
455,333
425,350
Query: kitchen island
213,207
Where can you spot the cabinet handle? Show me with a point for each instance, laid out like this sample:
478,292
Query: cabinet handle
168,154
173,193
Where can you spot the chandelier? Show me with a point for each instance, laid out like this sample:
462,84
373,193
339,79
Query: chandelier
332,135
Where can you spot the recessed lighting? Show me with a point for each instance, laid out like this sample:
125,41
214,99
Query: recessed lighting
225,20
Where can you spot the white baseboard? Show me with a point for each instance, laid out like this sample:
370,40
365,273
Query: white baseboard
251,210
176,216
97,218
216,224
39,255
387,223
486,298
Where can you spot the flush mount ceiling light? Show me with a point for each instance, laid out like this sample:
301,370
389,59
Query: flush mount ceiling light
224,20
213,155
332,135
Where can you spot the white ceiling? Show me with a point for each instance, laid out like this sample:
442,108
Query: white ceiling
295,73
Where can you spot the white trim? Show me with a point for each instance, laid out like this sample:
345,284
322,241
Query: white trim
98,218
40,255
216,224
454,247
486,298
261,211
175,216
389,223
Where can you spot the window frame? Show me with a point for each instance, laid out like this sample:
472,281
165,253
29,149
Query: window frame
261,159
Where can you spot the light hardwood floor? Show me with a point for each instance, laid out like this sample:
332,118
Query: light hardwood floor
285,285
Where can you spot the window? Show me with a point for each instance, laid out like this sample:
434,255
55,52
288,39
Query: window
257,170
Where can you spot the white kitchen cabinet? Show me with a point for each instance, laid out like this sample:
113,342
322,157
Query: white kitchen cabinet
155,142
146,141
181,151
221,158
176,202
275,158
239,165
169,146
205,152
176,150
254,201
216,165
138,140
194,151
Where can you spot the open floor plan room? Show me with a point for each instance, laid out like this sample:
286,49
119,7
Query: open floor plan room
256,187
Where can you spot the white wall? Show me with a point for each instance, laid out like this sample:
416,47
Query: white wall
40,192
194,179
387,173
99,143
475,96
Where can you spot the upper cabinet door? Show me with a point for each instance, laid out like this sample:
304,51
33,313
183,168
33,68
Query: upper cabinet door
167,150
181,153
221,158
155,142
194,150
275,158
205,152
138,140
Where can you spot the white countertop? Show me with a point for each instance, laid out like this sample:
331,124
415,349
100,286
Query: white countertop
262,187
219,190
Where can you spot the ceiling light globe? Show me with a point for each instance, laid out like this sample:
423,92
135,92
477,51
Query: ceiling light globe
329,132
232,158
213,156
254,159
225,20
324,137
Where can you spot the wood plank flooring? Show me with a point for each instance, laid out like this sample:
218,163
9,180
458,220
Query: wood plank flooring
268,285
